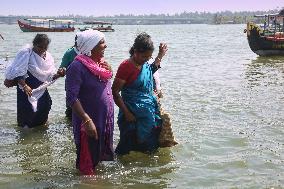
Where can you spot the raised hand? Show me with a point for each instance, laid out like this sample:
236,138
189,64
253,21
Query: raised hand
163,48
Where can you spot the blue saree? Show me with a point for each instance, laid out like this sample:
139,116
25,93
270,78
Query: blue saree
141,135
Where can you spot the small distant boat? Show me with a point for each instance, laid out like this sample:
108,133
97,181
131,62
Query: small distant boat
46,25
268,38
98,25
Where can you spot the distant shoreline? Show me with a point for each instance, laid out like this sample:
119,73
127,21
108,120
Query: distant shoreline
225,17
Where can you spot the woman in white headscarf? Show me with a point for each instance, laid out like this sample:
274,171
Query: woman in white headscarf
32,71
88,92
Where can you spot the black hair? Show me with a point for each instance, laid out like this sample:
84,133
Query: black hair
75,44
40,39
142,43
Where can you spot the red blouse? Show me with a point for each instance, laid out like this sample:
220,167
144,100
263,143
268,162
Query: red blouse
127,72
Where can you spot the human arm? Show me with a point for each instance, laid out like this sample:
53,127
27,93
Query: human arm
17,71
74,80
87,121
26,88
60,73
163,48
67,59
116,88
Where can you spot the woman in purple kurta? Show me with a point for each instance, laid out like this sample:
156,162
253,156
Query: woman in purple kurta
88,92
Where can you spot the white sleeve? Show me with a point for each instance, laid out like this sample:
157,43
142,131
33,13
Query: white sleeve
157,81
19,66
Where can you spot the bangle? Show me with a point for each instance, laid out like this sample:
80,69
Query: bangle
159,59
86,121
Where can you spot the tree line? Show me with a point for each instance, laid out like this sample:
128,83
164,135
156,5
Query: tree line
222,17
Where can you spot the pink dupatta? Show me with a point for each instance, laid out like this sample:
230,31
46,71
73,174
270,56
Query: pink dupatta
94,67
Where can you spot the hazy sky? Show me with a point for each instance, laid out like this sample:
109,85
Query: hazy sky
114,7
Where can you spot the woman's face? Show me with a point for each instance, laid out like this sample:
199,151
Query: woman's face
99,49
41,48
142,57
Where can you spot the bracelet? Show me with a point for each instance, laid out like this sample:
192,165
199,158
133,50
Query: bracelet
86,121
25,86
159,59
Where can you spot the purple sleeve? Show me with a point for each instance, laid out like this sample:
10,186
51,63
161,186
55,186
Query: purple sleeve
73,82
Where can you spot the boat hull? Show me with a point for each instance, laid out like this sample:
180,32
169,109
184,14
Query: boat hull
29,28
264,45
99,29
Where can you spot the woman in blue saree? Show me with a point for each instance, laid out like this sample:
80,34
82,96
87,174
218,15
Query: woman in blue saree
139,119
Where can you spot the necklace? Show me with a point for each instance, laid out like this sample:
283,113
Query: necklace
135,63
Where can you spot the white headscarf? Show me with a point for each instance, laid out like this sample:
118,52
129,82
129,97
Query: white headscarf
87,40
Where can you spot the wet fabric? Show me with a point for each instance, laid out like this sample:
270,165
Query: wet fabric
25,114
96,99
143,134
37,94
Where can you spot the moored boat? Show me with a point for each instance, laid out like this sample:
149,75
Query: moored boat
98,25
46,25
268,38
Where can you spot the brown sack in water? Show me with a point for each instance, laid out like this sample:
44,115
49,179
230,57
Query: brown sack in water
166,138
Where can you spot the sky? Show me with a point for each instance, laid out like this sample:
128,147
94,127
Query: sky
116,7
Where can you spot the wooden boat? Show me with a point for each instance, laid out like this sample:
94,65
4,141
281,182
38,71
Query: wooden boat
46,25
98,25
267,39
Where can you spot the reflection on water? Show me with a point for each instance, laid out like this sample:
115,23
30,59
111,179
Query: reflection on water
265,71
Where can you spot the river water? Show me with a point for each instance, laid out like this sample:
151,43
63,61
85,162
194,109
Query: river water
226,105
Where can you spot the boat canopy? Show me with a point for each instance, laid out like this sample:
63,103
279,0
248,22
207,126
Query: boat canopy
280,14
265,15
65,21
48,20
97,22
